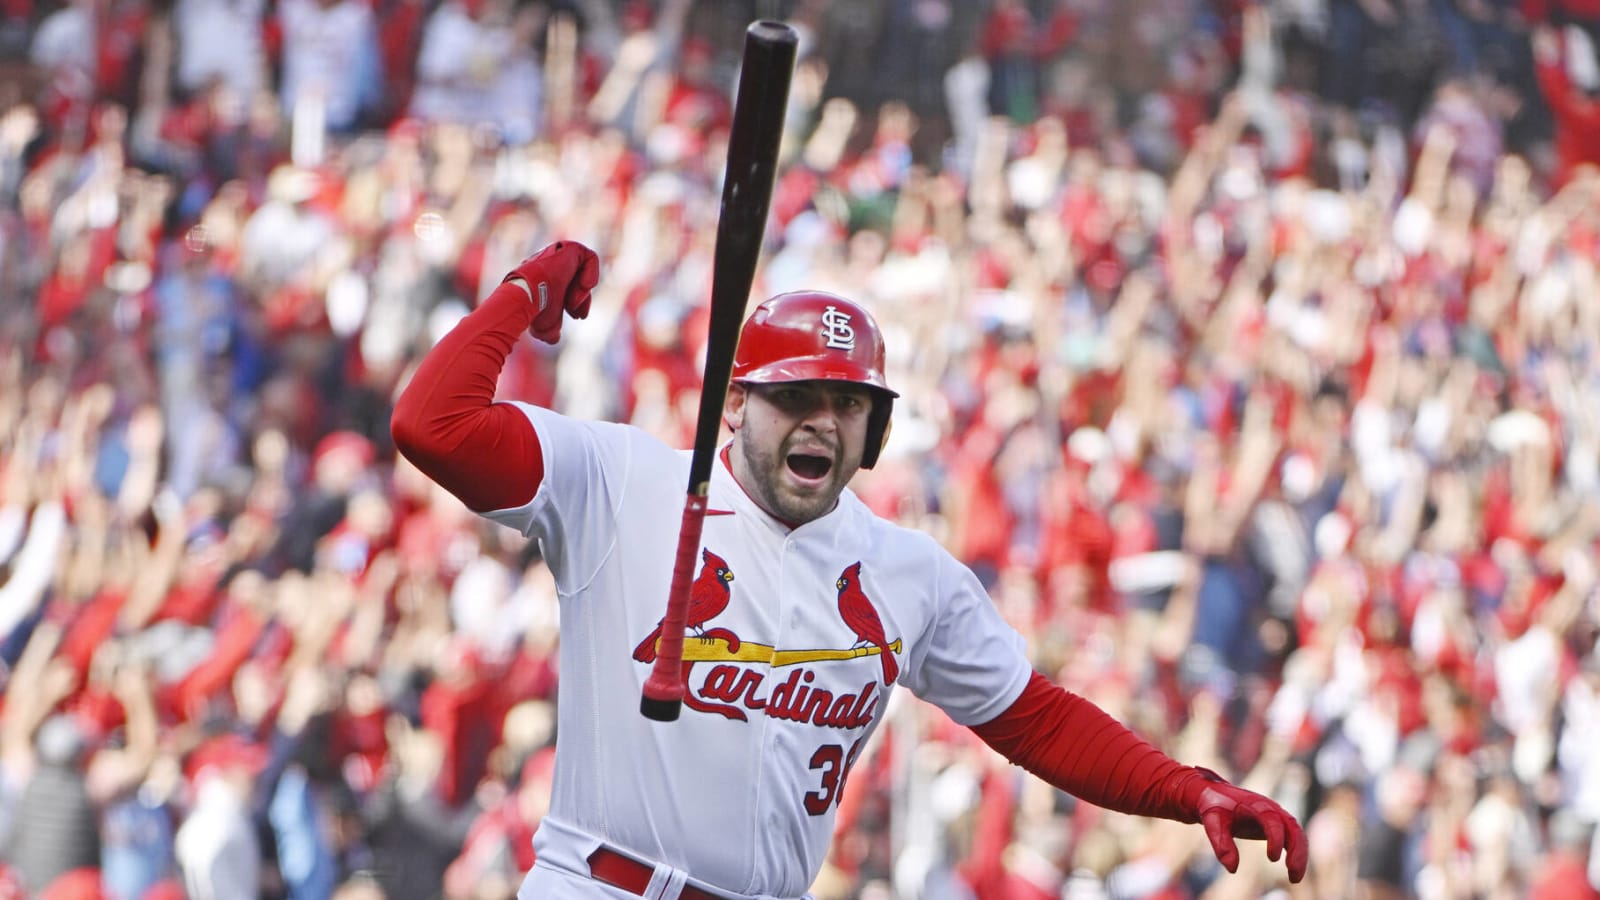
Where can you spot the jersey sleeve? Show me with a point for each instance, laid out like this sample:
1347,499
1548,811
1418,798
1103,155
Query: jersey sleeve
574,513
970,662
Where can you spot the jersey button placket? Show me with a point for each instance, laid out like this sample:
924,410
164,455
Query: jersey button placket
773,744
776,756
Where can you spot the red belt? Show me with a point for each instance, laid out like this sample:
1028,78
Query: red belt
633,876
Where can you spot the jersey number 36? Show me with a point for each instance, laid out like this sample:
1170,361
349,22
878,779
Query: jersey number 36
835,765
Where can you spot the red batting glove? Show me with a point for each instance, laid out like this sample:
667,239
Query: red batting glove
559,279
1228,811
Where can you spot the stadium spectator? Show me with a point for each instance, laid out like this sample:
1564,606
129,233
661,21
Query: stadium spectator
331,65
1575,108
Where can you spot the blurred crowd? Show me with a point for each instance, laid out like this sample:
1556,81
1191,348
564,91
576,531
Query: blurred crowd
1247,353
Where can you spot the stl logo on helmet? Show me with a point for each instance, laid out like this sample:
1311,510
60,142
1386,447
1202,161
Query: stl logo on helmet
837,330
732,690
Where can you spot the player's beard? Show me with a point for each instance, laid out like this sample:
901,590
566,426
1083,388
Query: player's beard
779,493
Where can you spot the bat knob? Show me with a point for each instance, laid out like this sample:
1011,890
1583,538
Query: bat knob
660,710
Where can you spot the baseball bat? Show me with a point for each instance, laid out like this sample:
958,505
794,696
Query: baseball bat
758,113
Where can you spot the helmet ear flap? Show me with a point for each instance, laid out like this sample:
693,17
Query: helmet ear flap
877,428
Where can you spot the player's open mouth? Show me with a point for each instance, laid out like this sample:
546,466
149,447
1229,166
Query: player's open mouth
809,467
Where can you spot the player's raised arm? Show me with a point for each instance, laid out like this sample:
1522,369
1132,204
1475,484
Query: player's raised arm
1079,748
446,421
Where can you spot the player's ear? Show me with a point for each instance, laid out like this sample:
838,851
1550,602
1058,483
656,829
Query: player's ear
733,406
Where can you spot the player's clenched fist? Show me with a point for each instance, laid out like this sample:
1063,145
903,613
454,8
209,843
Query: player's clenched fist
558,280
1228,811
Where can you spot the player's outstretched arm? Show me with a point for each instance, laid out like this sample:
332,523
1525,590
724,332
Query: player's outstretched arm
446,421
1074,745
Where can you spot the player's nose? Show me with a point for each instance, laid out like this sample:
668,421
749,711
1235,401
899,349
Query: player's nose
826,412
820,419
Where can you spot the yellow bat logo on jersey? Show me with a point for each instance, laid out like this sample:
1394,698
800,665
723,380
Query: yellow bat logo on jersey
721,650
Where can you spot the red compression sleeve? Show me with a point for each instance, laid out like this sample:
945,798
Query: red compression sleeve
447,423
1076,746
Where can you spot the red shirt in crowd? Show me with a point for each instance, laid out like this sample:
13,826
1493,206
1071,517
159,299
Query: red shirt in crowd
1577,117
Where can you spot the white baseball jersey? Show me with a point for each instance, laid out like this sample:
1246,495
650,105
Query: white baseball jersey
784,671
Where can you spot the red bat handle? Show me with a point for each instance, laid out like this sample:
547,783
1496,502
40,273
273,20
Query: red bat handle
663,690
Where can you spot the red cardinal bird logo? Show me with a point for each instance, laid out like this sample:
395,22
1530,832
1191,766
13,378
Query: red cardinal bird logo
859,613
708,597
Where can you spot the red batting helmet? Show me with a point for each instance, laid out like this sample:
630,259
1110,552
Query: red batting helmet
817,336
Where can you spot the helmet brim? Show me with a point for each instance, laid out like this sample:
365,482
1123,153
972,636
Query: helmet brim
815,368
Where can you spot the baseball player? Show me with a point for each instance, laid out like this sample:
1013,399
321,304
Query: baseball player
806,612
